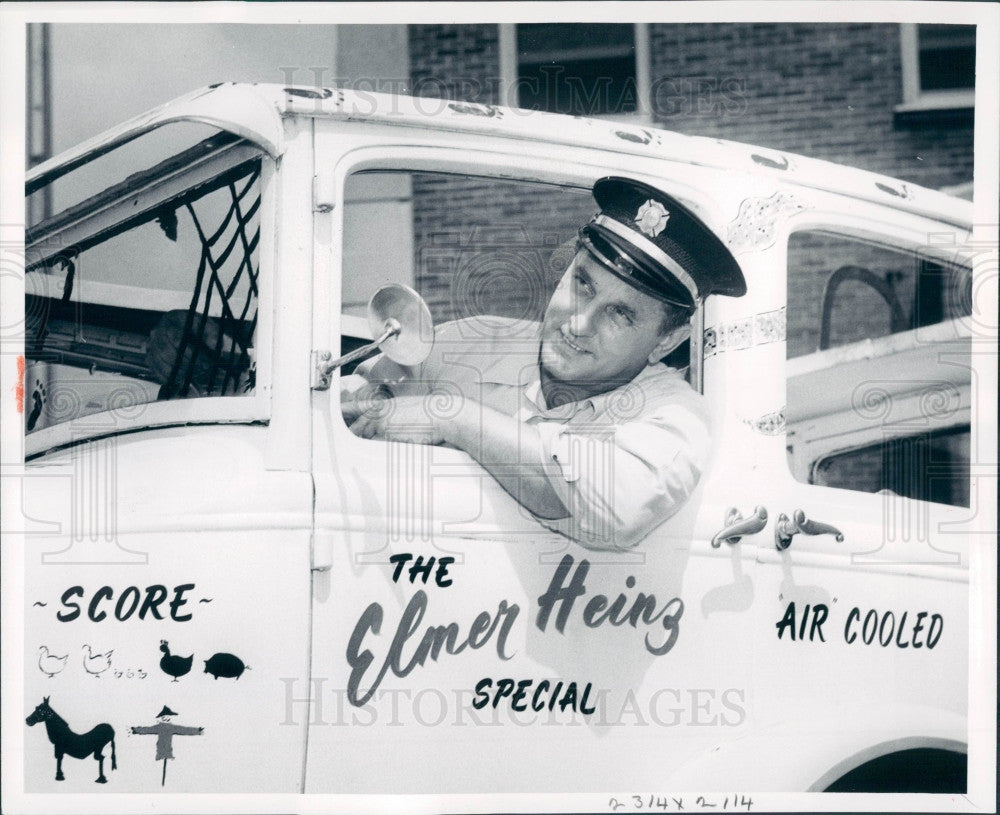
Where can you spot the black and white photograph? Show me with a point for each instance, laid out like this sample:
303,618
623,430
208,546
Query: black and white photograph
515,407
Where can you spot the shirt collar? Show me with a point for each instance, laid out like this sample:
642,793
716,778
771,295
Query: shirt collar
532,391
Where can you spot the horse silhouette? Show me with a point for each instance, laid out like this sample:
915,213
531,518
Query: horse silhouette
78,745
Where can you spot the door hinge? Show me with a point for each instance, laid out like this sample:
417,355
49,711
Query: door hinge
322,551
323,192
321,375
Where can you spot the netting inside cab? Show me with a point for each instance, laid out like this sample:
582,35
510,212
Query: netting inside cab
162,305
208,348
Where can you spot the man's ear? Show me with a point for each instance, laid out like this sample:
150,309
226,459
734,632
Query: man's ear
669,341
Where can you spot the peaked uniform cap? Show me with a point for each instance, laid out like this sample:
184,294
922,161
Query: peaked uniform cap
165,712
656,244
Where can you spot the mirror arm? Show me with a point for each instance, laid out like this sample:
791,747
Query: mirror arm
324,367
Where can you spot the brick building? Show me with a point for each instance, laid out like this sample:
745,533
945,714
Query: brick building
893,99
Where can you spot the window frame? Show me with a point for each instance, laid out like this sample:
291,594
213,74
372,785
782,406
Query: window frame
871,441
819,436
914,97
509,73
89,221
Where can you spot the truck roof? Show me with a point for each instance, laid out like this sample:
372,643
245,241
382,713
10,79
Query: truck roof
255,112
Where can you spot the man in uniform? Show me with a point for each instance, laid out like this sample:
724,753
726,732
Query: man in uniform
577,417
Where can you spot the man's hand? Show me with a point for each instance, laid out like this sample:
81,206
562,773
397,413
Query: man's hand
403,418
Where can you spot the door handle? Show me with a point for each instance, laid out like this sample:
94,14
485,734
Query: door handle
786,528
737,526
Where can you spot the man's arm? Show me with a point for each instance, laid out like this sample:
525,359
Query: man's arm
616,485
510,450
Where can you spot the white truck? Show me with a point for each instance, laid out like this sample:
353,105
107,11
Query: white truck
209,555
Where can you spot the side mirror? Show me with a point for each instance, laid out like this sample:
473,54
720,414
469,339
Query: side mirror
402,323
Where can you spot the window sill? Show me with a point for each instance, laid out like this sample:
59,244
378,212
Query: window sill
935,110
938,100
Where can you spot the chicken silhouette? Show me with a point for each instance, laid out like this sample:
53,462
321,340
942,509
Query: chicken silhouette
96,664
49,663
173,665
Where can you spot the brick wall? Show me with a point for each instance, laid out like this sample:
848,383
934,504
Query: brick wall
455,62
822,90
484,246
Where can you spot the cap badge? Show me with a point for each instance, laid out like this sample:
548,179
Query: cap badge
652,218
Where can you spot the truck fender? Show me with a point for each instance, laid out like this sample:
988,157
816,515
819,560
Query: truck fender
783,757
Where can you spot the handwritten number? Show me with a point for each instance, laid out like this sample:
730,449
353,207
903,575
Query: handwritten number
663,803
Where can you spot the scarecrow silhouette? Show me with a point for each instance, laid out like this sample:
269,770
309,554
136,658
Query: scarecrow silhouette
165,730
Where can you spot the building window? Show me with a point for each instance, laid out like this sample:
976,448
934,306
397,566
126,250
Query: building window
579,69
938,66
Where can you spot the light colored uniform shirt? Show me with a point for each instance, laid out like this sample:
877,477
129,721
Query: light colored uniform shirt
622,462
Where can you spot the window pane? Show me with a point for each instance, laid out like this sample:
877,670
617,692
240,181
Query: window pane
165,308
873,403
931,467
579,70
596,87
947,56
870,291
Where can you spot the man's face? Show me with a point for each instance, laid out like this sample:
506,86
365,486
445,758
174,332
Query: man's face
598,331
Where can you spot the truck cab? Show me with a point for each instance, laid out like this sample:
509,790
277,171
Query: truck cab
200,531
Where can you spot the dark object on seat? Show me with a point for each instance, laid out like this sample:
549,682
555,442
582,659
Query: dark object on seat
189,355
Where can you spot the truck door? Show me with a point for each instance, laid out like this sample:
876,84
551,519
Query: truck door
435,666
164,543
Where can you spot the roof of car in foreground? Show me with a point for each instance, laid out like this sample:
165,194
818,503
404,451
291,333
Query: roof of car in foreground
254,112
